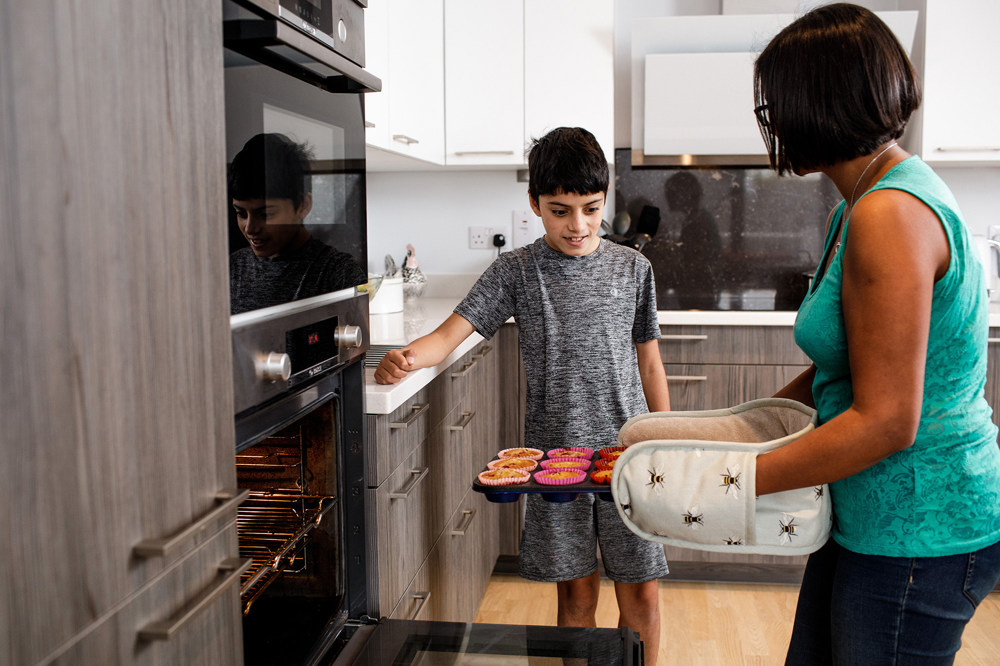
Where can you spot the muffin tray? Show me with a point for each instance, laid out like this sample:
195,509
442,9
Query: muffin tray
566,493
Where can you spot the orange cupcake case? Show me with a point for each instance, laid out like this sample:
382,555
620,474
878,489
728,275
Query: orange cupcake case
611,452
601,476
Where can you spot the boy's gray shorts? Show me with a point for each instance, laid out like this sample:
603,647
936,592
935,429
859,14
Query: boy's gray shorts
560,541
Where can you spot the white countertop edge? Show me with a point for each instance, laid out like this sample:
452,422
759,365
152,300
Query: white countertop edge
386,398
725,318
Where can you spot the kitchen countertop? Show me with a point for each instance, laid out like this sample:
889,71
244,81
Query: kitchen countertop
422,316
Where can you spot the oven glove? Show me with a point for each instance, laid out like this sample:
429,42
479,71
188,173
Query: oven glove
687,480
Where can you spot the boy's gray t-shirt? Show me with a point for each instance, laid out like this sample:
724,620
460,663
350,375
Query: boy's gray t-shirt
579,319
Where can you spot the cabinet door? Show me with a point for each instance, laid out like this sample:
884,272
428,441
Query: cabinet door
377,62
484,82
114,292
960,97
416,75
569,68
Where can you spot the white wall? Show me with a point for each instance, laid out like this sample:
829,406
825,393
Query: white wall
433,210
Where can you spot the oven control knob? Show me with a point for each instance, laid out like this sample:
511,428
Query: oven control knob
348,337
274,367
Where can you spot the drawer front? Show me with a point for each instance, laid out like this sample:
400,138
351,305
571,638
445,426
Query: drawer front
406,525
418,600
754,345
393,437
451,453
152,628
700,387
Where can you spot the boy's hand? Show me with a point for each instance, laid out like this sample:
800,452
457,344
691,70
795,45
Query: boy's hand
394,366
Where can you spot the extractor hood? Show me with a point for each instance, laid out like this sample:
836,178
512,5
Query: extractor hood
692,86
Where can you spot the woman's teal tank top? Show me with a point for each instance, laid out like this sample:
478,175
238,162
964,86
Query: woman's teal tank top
941,496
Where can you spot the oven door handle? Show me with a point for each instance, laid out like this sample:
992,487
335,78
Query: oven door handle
255,37
229,500
416,476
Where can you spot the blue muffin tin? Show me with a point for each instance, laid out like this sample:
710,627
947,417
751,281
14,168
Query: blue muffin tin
503,494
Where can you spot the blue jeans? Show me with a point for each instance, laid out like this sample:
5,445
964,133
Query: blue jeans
871,610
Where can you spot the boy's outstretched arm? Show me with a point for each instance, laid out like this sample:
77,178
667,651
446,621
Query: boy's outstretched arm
424,352
653,376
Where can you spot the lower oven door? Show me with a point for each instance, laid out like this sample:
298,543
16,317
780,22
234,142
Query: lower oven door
404,642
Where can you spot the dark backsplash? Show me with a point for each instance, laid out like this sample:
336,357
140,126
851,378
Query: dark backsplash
726,238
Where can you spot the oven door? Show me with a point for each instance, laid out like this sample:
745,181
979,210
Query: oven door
404,642
295,152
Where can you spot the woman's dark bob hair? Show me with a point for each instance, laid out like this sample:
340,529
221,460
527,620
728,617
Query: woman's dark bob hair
833,85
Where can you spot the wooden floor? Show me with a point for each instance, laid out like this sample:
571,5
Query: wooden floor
709,624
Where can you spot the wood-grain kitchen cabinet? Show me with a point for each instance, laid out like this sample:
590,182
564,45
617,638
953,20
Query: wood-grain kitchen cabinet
117,357
715,367
956,124
993,373
437,539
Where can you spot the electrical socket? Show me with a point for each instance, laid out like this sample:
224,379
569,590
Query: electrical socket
527,228
481,238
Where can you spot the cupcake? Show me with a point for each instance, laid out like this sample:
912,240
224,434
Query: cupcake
566,463
572,452
503,477
601,476
523,464
611,452
529,454
604,464
560,477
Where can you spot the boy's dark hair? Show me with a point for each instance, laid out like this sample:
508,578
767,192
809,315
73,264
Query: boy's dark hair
567,160
833,85
271,166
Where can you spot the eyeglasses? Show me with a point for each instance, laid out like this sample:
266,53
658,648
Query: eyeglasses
763,115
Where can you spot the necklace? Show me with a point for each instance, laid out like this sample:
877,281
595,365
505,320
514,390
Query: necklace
852,201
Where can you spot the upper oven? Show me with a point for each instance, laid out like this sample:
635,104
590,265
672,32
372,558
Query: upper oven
295,144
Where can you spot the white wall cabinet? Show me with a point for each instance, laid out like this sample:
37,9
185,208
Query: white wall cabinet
508,72
405,48
961,92
484,82
569,68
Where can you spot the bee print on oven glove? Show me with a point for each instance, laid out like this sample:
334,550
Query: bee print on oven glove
818,493
733,541
788,526
731,481
655,480
693,518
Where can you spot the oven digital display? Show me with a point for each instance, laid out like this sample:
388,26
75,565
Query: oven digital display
311,345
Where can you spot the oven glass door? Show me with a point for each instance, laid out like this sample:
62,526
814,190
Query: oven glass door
406,642
295,156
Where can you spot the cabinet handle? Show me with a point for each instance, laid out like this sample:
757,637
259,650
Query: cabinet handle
967,149
470,515
483,351
417,410
230,499
463,422
462,153
681,336
230,570
369,124
466,369
423,597
992,341
402,138
415,476
686,378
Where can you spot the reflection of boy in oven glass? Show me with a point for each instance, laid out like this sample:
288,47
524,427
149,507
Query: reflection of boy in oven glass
270,188
586,314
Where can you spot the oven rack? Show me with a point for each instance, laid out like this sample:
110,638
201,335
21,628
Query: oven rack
273,530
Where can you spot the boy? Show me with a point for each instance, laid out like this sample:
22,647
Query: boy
586,315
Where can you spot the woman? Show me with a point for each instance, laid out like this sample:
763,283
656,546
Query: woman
896,325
